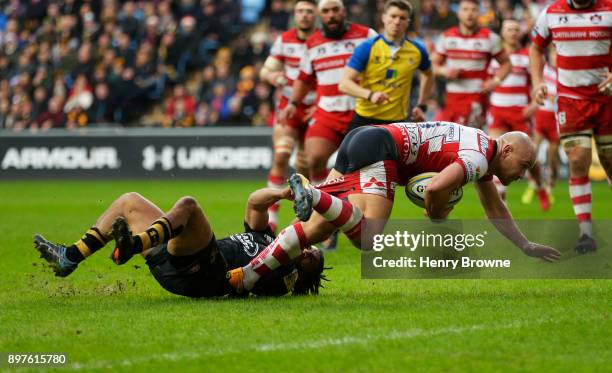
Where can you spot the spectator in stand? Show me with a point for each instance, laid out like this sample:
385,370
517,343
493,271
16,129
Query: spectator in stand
279,16
102,109
180,110
206,85
443,17
54,116
5,112
128,23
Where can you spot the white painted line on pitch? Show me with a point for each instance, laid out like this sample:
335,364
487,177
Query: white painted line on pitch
318,344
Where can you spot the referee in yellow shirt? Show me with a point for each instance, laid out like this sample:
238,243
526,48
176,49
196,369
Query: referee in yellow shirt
381,71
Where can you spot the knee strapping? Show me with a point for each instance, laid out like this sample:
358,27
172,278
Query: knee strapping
577,140
284,145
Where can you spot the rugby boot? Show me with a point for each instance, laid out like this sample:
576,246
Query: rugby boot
235,279
124,242
528,194
544,198
55,255
302,196
585,244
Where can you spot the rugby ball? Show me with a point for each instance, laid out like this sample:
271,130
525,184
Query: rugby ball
415,190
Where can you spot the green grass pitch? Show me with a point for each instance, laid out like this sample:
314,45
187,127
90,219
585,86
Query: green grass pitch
109,317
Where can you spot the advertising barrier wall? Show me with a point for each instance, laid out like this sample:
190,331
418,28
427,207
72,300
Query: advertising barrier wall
137,153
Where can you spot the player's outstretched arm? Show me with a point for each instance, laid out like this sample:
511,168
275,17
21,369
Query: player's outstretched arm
501,218
439,190
256,214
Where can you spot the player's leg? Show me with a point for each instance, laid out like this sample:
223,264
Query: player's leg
139,211
320,143
331,213
553,160
184,227
284,139
575,128
518,122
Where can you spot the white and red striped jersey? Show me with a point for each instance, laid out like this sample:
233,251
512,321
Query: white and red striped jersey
514,90
582,38
550,78
324,61
471,54
288,49
431,146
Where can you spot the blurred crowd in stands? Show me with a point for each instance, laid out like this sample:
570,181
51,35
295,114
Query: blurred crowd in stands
75,63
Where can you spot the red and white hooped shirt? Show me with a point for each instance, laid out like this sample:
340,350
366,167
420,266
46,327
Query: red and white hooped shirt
513,92
289,49
582,38
471,54
323,62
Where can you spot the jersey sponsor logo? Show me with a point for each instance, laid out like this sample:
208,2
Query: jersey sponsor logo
562,20
596,18
61,157
470,171
250,247
374,181
561,118
391,74
340,62
483,142
349,46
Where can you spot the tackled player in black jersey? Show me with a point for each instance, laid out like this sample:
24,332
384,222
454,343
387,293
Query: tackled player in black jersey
181,250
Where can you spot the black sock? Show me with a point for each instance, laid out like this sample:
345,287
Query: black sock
73,254
92,241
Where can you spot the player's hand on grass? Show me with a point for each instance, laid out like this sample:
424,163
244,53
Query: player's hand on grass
439,219
605,86
539,93
543,252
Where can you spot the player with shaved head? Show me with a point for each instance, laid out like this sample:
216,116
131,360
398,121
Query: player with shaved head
373,160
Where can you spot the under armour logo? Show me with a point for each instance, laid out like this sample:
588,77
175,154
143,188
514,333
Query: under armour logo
151,158
374,181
